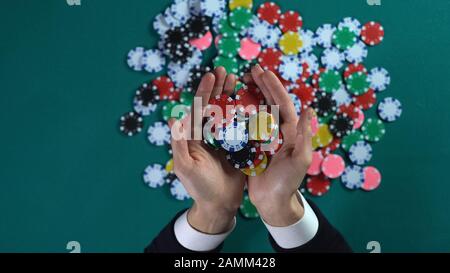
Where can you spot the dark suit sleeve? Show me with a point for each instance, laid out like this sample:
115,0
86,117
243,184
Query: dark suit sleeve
166,242
327,239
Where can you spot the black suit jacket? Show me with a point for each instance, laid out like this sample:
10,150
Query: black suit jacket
327,239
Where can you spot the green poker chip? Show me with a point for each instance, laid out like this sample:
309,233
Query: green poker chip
247,209
226,30
229,46
373,130
344,38
330,81
358,83
168,107
230,64
351,139
186,98
210,140
240,18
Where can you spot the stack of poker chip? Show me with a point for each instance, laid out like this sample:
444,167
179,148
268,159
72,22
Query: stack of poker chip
323,69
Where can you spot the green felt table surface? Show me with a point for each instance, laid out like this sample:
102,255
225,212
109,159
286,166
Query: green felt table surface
67,174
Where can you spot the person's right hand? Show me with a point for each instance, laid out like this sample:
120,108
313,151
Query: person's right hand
216,187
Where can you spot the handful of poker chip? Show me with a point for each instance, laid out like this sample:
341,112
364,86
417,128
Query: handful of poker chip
322,68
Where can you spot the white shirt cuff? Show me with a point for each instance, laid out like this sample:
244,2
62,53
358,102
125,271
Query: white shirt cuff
195,240
298,233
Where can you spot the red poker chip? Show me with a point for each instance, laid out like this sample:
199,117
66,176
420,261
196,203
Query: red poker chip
290,21
366,100
372,33
350,109
333,146
174,96
226,104
287,84
269,12
353,68
316,76
248,98
270,59
306,93
259,157
318,185
165,88
274,146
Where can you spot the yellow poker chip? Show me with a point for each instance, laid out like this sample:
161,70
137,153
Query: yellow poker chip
169,166
259,169
262,126
233,4
291,43
323,137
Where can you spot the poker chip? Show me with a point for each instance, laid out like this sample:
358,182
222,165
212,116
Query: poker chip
195,7
165,88
290,21
316,163
146,95
249,50
186,98
262,126
169,166
248,97
314,125
330,81
180,10
311,60
210,139
366,100
351,139
258,30
195,77
240,18
343,38
306,93
154,176
273,37
274,145
372,178
379,79
198,26
233,137
158,134
341,125
134,59
153,61
178,73
269,12
290,68
359,120
247,209
341,96
212,8
353,177
324,35
131,124
168,111
160,25
291,43
323,137
170,20
309,40
270,59
178,191
390,109
297,103
225,29
230,64
258,169
353,68
357,83
323,104
373,130
226,105
352,24
233,4
330,148
356,53
144,110
372,33
318,185
333,166
360,153
332,58
243,158
229,47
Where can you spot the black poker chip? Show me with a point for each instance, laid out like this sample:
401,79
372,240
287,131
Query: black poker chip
170,177
341,125
131,123
147,95
243,158
195,77
197,26
182,54
324,104
174,39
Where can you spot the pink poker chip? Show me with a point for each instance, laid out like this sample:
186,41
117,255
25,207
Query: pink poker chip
203,42
249,49
314,168
372,178
314,125
216,40
333,166
359,120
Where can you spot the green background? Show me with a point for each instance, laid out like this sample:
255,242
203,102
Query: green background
66,173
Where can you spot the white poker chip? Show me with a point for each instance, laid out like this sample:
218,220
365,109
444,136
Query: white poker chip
134,59
144,110
178,191
342,97
170,20
195,7
390,109
196,58
153,61
332,58
160,25
352,24
273,37
158,134
290,68
360,153
216,23
154,175
311,60
178,73
233,137
259,30
297,103
213,8
379,79
353,177
356,53
324,35
309,40
180,10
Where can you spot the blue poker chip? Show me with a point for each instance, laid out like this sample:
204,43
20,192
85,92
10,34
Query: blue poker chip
379,79
170,20
154,176
356,53
153,61
311,60
179,73
297,103
390,109
342,97
144,110
273,37
290,68
160,25
134,58
353,177
233,137
180,10
259,30
178,191
309,40
195,7
332,58
324,35
352,24
213,8
360,153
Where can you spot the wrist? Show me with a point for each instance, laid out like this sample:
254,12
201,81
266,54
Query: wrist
211,219
282,212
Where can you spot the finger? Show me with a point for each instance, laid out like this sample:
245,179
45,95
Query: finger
257,73
205,88
304,134
281,97
220,74
248,78
180,149
230,84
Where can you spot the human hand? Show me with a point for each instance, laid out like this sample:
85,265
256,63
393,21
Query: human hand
216,187
274,192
